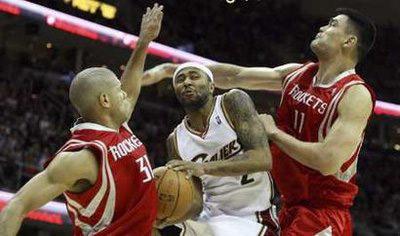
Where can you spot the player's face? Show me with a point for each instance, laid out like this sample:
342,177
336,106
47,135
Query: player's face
119,104
193,88
331,37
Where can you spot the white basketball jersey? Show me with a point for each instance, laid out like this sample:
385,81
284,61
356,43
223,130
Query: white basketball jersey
233,195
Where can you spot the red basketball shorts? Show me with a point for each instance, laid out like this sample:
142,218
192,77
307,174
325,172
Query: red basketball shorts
301,220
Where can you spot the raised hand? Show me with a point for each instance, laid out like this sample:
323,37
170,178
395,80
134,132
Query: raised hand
151,23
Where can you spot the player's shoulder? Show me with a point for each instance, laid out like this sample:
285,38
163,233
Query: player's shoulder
172,146
234,97
72,165
73,159
301,67
303,71
171,137
357,97
360,90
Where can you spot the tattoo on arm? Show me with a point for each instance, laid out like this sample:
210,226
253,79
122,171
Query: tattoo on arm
243,115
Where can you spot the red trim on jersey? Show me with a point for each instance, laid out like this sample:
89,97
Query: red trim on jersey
291,74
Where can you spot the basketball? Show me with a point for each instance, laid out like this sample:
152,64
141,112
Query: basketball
179,198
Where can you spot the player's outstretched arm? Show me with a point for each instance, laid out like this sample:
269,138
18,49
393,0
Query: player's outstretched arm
158,73
131,80
251,135
227,76
61,174
342,140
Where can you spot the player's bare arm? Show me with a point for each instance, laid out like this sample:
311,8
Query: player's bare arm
227,76
132,77
62,174
251,135
172,152
342,140
158,73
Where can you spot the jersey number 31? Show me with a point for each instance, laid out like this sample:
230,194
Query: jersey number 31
145,168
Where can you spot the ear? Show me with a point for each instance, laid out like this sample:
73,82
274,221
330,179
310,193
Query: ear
212,87
351,41
104,100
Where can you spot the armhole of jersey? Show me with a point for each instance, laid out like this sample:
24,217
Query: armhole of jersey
371,94
332,109
227,117
98,149
172,142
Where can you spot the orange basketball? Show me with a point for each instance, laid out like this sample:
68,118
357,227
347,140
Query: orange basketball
179,198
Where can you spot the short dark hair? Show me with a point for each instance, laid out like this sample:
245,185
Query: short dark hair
365,28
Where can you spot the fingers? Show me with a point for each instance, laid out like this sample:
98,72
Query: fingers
184,166
172,162
189,174
177,165
156,11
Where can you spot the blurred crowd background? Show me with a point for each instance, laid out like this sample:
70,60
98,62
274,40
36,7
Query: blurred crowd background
37,64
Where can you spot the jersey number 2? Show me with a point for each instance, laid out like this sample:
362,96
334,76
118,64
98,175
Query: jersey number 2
245,180
145,168
298,120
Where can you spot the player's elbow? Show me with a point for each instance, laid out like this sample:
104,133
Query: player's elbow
268,161
264,160
327,164
328,170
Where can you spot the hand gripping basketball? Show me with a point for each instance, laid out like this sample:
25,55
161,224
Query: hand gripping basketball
179,198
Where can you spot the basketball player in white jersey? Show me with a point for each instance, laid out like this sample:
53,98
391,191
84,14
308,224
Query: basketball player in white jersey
321,150
222,141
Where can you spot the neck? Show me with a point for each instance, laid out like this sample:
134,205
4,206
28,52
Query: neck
104,121
330,68
198,118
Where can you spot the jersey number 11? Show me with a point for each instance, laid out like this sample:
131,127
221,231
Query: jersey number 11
298,120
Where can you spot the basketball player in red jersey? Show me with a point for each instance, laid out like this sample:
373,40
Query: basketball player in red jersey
324,110
103,170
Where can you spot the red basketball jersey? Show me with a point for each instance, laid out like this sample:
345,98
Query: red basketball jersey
307,112
123,199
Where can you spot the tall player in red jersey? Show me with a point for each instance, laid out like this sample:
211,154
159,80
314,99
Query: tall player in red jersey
324,110
103,170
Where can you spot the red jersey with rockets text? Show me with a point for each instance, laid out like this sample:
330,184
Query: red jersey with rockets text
123,200
307,112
